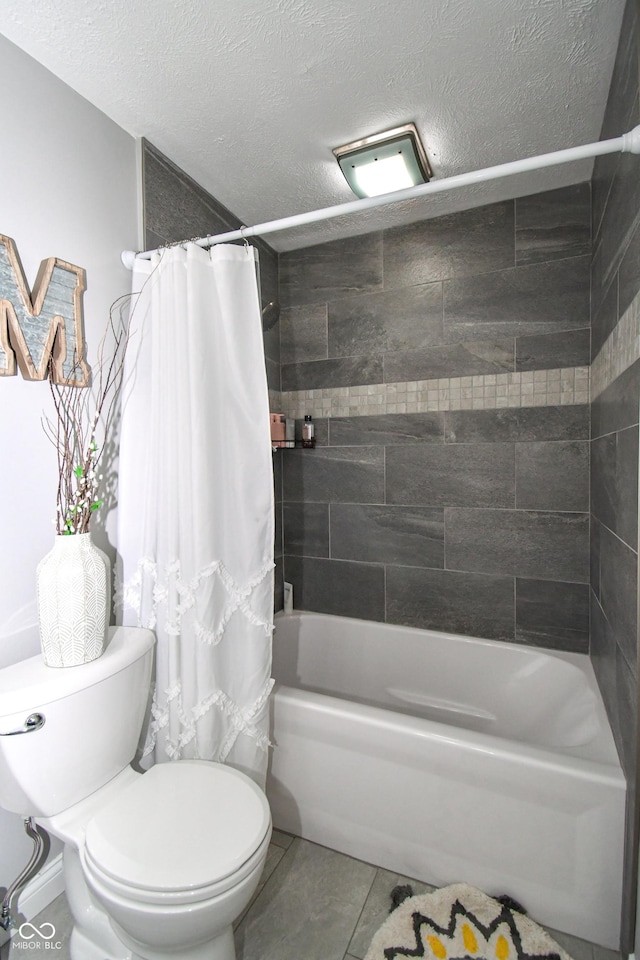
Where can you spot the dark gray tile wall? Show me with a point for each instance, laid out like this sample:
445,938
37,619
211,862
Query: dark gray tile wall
459,245
383,533
468,603
614,544
454,475
342,587
615,279
467,359
620,112
496,289
540,352
615,282
550,614
524,543
552,474
177,208
541,298
459,520
556,223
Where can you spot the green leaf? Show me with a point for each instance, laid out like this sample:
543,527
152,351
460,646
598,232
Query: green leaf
78,471
96,505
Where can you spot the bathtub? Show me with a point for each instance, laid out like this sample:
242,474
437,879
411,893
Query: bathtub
451,759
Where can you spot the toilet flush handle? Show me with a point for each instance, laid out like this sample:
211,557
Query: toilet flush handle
33,722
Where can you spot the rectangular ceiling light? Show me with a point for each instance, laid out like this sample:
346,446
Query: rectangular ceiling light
384,162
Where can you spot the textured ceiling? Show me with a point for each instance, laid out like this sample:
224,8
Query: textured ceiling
250,96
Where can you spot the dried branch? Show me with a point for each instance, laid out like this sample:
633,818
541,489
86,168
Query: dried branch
81,423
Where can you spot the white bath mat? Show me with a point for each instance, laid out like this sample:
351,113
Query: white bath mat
461,923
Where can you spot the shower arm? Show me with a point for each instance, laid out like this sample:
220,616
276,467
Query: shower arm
627,143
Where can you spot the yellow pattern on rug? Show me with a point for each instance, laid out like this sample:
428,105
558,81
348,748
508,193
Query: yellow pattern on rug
460,922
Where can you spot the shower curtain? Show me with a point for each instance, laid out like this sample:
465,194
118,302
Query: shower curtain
195,503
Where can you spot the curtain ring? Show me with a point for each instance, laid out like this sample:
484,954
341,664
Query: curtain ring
244,239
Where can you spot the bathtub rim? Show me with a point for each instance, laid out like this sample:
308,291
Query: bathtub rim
481,743
439,730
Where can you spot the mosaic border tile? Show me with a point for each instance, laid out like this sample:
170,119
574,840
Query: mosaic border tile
619,351
530,388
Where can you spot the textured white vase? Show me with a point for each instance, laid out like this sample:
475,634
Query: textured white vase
73,601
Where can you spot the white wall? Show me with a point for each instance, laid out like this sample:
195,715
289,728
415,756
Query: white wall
68,188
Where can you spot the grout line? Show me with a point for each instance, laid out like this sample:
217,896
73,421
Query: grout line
326,329
444,538
359,917
614,534
384,590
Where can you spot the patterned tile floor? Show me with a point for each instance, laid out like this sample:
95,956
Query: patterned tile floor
313,904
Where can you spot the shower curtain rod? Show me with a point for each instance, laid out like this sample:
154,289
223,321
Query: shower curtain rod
627,143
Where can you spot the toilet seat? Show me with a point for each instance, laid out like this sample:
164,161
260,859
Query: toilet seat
141,845
194,897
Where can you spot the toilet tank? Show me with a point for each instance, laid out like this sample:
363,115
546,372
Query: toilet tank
93,719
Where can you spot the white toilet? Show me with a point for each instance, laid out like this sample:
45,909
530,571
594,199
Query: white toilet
157,865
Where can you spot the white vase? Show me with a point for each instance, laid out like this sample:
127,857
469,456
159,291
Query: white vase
73,601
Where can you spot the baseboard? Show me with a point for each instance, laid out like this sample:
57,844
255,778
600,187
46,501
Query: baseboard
38,893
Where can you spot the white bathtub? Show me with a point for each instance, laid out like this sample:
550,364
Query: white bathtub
447,759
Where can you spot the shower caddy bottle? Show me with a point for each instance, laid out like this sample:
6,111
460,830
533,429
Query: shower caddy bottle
308,433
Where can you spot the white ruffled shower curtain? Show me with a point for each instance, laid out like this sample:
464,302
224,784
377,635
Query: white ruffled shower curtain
195,504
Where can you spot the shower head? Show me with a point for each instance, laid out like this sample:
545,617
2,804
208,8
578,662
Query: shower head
270,315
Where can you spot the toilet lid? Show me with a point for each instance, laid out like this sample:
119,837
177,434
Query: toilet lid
179,826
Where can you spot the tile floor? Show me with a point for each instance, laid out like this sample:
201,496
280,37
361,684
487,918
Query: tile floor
312,904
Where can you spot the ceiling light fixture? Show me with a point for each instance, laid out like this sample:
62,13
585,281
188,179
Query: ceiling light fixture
384,162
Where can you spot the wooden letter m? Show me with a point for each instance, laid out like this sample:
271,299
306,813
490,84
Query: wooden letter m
47,326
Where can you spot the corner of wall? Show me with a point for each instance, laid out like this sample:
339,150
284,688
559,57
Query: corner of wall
140,216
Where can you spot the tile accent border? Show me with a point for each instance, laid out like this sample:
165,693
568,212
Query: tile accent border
530,388
619,351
